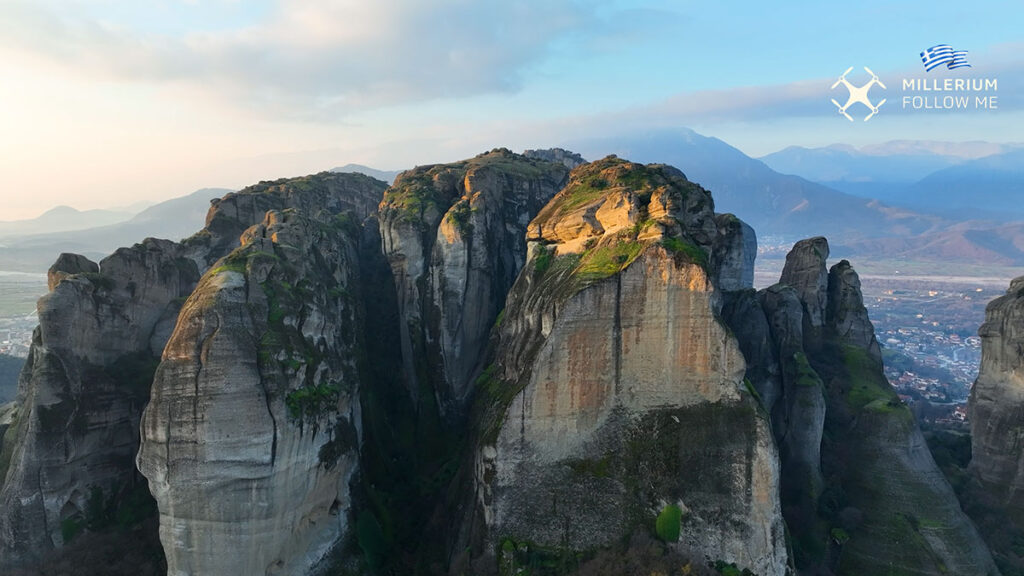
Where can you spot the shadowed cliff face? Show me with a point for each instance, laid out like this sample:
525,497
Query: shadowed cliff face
997,409
82,391
860,491
102,330
613,377
453,234
254,417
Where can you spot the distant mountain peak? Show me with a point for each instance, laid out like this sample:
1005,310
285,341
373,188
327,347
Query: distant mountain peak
350,168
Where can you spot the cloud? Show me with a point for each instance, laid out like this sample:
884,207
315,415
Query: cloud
314,58
812,98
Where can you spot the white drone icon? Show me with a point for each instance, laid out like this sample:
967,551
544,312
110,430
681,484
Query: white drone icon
858,94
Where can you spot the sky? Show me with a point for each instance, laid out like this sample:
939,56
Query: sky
107,103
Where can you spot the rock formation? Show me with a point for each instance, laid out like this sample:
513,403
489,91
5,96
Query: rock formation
614,379
997,406
102,330
569,159
453,234
853,459
251,436
82,391
494,362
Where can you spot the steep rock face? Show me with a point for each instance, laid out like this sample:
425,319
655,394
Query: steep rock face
845,310
799,423
250,438
742,311
332,192
733,253
805,272
616,393
876,460
83,389
453,234
997,405
102,329
860,491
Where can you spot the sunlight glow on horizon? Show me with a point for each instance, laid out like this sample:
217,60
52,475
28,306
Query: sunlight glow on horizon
105,106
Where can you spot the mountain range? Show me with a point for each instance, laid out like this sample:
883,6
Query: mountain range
776,204
383,175
903,199
62,219
34,251
957,180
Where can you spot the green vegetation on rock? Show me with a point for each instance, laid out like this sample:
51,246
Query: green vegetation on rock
689,250
668,524
868,388
607,260
312,402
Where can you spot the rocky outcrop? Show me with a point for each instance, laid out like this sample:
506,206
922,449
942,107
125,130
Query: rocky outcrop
251,436
616,394
845,312
332,192
860,491
569,159
799,422
102,330
83,389
805,272
453,234
733,253
887,503
997,406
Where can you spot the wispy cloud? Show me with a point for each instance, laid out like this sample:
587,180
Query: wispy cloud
315,57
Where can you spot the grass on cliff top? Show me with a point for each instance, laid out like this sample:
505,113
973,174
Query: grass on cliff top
424,187
591,182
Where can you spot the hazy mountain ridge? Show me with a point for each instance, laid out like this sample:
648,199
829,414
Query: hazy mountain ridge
62,219
385,175
773,203
957,180
172,219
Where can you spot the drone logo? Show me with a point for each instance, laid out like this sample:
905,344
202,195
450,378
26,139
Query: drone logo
858,94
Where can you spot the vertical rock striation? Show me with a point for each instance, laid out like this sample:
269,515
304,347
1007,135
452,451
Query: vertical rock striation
616,393
102,330
82,390
997,406
453,234
861,493
251,436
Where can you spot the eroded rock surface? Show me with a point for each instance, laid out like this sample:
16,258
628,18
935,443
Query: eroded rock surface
453,234
614,379
83,389
251,436
102,330
997,405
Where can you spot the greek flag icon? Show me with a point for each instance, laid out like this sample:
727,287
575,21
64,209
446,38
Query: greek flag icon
944,54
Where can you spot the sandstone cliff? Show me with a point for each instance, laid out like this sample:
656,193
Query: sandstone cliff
102,330
254,417
453,234
616,395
